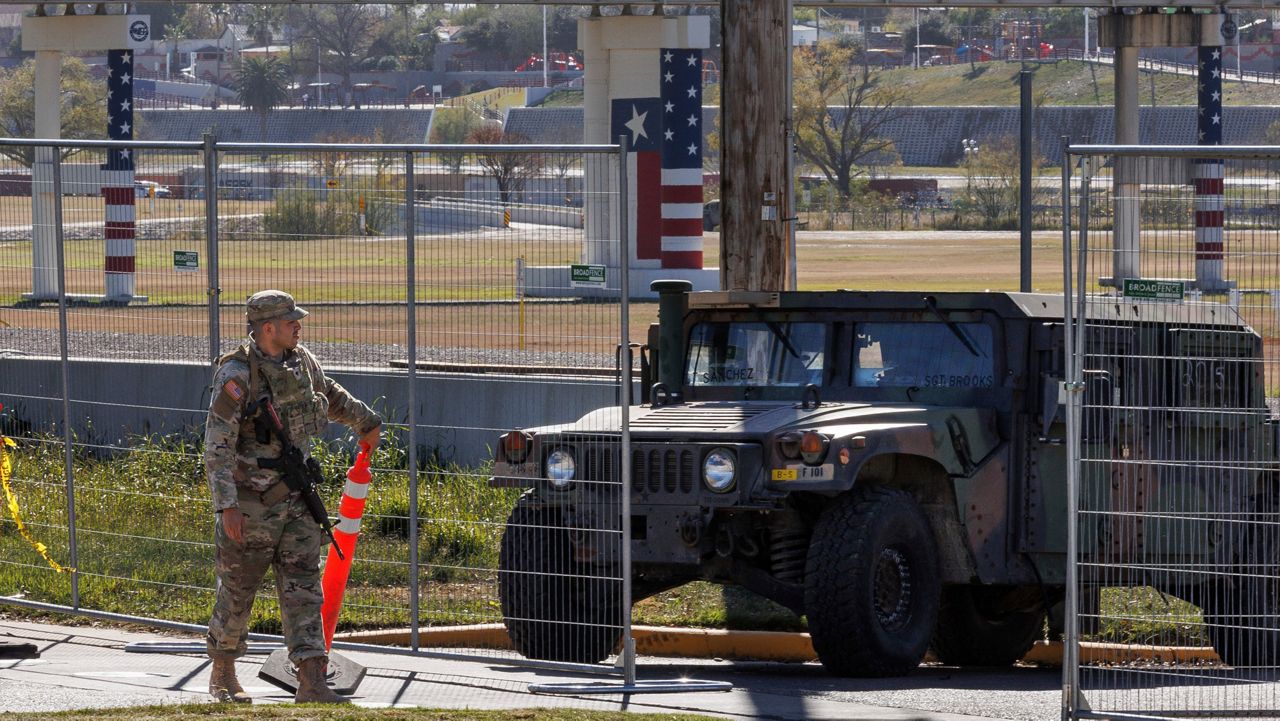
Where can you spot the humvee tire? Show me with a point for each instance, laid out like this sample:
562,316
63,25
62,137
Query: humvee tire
554,608
1235,615
871,584
973,631
1243,611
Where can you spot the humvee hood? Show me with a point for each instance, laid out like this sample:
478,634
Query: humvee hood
755,418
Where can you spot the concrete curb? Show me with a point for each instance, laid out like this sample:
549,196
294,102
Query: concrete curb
766,645
650,641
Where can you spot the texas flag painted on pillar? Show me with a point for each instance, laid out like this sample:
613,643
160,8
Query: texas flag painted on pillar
640,120
682,158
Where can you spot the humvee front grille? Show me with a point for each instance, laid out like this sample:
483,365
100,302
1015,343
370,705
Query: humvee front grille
600,464
663,470
655,469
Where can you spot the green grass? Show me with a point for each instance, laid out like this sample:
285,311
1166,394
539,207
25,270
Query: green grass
1144,616
311,712
144,532
1065,82
144,535
563,99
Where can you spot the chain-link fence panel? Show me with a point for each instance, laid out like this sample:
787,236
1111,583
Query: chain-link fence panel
1172,286
460,294
519,293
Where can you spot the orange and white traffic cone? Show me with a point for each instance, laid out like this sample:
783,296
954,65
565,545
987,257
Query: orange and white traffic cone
338,570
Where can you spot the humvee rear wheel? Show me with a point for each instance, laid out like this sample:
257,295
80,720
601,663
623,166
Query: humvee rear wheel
871,584
1243,620
975,630
1243,611
554,608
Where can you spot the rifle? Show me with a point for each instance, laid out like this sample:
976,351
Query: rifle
298,473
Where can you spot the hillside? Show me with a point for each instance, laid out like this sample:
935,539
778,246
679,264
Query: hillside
1064,82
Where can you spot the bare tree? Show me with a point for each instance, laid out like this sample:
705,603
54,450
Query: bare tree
840,111
345,30
83,111
508,170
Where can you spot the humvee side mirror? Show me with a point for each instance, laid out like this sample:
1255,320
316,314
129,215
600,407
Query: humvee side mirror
660,395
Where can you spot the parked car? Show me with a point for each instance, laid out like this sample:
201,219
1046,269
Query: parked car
149,189
711,215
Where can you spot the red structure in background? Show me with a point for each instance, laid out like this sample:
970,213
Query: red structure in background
559,62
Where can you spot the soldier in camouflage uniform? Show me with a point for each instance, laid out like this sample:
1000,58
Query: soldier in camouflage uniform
261,523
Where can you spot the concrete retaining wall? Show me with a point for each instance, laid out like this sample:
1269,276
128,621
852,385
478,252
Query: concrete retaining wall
459,415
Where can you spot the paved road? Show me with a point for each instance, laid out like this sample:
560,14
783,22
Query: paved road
88,667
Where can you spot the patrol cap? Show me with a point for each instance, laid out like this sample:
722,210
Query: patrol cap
272,305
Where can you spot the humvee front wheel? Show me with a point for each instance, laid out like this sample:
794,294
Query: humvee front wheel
554,608
974,629
871,584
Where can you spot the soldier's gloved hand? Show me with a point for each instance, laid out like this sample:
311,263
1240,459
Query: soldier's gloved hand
371,438
233,524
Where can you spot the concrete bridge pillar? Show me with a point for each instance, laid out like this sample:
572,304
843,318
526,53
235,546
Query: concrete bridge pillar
1128,33
48,36
632,64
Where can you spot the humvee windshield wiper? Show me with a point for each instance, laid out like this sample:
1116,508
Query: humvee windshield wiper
776,328
932,304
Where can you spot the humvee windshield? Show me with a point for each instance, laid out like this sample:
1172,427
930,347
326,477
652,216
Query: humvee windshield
756,354
924,355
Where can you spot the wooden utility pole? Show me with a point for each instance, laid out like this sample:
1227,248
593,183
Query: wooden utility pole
755,164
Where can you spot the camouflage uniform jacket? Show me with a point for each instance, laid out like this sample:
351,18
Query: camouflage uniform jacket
304,397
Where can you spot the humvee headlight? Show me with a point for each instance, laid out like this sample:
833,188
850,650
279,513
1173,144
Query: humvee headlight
719,470
813,447
560,467
789,445
515,446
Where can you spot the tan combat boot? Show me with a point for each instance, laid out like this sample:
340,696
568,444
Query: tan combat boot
311,684
223,686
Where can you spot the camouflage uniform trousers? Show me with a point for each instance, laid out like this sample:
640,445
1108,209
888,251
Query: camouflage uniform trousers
283,537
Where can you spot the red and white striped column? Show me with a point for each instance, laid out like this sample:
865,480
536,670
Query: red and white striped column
681,158
1210,205
117,183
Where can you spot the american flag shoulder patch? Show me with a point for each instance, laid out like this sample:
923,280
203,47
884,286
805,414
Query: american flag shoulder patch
233,389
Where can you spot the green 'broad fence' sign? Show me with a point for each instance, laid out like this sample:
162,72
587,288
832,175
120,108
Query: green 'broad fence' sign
1169,290
586,276
186,260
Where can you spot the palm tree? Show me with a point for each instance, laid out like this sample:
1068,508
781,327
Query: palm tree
263,84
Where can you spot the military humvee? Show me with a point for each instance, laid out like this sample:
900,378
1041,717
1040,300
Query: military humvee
893,466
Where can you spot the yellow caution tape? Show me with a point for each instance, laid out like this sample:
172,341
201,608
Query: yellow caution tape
6,467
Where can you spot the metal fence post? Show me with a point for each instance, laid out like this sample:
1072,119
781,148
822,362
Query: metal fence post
411,342
1070,660
624,465
63,350
1075,419
211,244
210,154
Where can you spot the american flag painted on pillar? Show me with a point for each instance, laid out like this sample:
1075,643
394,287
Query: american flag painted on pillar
640,120
117,187
681,158
1209,204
